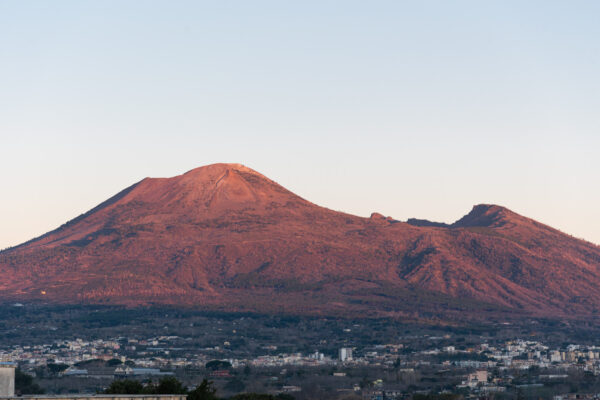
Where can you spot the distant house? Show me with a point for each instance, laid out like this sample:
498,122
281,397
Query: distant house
128,372
291,389
345,354
221,373
71,371
475,379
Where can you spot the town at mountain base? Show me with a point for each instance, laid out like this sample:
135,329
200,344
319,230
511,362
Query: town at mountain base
225,237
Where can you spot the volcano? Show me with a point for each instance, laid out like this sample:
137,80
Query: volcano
225,237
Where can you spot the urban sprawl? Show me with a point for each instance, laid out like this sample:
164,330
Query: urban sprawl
485,368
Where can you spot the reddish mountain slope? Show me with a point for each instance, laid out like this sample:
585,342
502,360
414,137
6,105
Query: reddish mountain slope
226,237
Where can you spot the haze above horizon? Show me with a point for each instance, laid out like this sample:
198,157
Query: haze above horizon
409,109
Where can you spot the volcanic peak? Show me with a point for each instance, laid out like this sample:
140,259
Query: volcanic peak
482,215
207,192
217,175
485,215
208,172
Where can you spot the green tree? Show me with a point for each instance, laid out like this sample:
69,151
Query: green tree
217,364
284,396
261,396
235,385
443,396
56,368
204,391
24,384
125,386
169,385
253,396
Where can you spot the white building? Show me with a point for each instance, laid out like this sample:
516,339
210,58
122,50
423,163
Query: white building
475,379
7,379
345,354
555,356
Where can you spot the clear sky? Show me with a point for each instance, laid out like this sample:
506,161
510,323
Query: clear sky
408,108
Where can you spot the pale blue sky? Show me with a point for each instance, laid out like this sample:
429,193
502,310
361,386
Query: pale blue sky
412,109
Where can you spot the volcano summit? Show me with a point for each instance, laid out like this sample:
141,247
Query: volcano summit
225,237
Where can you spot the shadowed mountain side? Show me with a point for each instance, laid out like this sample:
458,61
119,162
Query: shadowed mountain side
226,237
425,222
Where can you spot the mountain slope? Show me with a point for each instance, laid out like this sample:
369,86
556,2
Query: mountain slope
226,237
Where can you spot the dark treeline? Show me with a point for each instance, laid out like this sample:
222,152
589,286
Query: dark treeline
24,384
170,385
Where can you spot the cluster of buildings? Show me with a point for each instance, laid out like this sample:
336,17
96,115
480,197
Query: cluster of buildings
298,359
495,369
152,353
167,352
65,352
521,355
486,364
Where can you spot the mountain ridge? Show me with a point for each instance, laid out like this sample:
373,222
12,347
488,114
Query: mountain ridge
225,236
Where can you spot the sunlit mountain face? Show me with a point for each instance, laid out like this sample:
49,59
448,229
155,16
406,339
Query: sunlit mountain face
226,237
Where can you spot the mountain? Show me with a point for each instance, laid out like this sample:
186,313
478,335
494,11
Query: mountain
225,237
